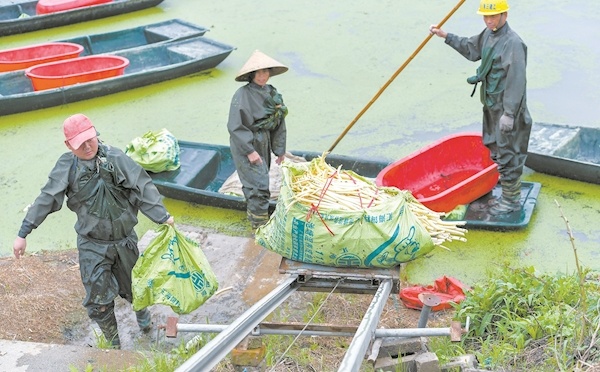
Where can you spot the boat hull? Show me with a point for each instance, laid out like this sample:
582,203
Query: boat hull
453,171
20,17
565,151
24,57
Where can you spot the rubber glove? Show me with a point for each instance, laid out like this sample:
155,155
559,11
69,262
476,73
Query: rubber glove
506,123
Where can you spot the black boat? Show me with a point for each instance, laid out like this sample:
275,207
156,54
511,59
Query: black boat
205,168
565,151
148,64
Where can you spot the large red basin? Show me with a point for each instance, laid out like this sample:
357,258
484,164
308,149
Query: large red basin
452,171
77,70
51,6
23,57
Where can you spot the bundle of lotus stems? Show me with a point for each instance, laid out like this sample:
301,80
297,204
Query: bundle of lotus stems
328,188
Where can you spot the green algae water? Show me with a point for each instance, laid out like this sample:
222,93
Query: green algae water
340,53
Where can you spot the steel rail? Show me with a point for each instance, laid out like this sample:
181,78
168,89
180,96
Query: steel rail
366,330
218,348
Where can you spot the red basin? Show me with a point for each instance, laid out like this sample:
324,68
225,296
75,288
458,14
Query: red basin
21,58
452,171
51,6
77,70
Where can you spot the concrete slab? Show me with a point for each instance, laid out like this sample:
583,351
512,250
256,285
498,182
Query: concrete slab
19,356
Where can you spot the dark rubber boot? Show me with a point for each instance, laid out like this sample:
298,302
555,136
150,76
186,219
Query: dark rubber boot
144,320
257,220
108,326
510,199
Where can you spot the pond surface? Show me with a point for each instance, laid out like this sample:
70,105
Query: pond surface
340,54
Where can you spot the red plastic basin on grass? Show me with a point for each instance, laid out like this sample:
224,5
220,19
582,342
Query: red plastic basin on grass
52,6
455,170
77,70
23,57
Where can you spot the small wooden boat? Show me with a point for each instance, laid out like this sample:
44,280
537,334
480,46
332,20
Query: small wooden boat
23,57
204,168
26,56
53,6
565,151
452,171
75,71
149,64
19,16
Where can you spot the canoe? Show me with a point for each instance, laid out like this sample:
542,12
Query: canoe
149,64
565,151
108,42
80,70
19,16
204,168
452,171
23,57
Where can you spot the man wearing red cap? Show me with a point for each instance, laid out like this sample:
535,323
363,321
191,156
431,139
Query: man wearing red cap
106,189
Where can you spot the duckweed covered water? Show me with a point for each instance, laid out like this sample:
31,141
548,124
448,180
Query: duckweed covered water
340,53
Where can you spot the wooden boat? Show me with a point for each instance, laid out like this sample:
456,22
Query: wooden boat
109,42
148,65
27,56
205,168
23,57
565,151
19,16
452,171
80,70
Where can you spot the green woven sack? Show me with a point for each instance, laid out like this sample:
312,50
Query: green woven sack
155,151
172,271
383,236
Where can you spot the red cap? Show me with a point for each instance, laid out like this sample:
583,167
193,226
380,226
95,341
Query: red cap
78,129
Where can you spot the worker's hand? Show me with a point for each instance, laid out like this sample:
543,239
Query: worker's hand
19,246
279,159
254,158
170,221
506,123
438,31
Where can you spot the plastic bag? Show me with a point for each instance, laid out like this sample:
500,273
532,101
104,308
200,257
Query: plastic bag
448,290
172,271
155,151
383,236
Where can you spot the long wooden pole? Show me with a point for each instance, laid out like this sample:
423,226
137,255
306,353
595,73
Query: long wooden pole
384,87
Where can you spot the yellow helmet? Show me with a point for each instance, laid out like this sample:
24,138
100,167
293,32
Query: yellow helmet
492,7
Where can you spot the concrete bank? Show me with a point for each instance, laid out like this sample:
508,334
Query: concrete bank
19,356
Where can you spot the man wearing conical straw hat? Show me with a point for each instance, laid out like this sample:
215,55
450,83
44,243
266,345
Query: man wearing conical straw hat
256,130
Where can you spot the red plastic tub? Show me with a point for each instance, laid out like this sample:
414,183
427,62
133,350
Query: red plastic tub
453,171
77,70
52,6
23,57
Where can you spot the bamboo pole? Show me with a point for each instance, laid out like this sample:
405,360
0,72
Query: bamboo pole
391,79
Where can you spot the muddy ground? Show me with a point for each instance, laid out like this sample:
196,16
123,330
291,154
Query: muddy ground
41,297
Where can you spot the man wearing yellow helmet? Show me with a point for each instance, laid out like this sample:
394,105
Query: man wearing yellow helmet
506,119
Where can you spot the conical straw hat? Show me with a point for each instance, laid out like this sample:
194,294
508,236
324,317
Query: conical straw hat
258,61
